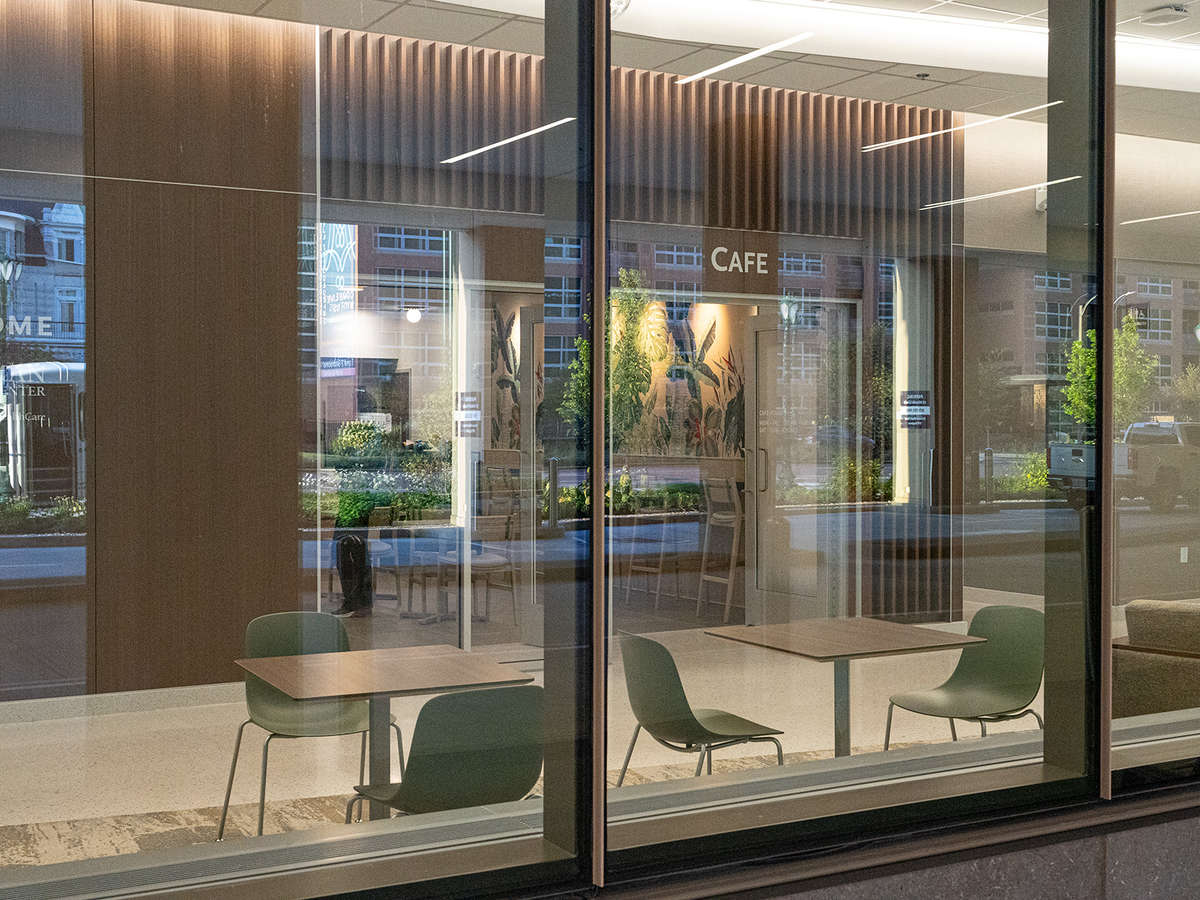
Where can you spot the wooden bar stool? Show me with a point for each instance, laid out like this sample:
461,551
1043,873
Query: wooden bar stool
723,504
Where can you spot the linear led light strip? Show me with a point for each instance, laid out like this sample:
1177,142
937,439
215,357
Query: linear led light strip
1179,215
920,137
1016,190
508,140
746,57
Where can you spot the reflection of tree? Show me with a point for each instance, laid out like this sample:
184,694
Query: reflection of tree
993,404
839,373
1133,377
1184,395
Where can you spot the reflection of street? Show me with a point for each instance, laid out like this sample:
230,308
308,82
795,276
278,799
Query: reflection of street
1002,544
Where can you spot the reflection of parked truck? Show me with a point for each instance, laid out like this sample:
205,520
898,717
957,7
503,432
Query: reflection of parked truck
1155,460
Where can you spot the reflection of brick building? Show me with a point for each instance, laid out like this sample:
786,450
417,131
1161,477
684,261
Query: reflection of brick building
46,306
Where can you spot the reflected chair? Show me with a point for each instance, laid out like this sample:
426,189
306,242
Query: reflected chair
290,634
469,748
994,681
382,547
661,707
723,504
492,563
648,515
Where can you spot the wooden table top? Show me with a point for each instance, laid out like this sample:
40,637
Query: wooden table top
393,671
831,639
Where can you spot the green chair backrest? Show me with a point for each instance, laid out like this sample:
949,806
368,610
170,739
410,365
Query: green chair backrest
473,748
288,634
1012,660
656,692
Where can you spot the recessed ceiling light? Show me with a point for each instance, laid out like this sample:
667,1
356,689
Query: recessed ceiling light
1165,15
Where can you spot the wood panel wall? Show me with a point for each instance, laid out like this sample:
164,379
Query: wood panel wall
198,152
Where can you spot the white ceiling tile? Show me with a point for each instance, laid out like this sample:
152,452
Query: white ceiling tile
935,73
865,65
708,57
1011,7
997,81
1011,103
522,36
436,23
904,5
803,76
335,13
644,53
875,87
970,12
954,96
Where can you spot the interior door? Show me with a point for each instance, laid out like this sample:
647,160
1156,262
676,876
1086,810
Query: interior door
804,454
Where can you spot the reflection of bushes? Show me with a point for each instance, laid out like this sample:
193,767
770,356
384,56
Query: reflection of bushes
847,483
575,501
355,439
1030,480
351,509
64,515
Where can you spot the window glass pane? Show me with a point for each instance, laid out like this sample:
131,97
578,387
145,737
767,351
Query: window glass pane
841,555
326,265
1156,376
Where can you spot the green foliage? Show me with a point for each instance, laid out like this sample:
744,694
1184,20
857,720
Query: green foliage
69,507
576,406
1133,377
357,439
849,482
1184,395
1030,480
14,516
636,330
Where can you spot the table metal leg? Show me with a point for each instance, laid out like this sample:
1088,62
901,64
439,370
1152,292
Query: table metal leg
379,765
841,707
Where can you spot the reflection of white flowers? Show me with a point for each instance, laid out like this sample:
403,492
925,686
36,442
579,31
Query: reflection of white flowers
330,480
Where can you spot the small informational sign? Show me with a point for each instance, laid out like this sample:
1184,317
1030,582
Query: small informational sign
336,366
468,428
468,401
914,410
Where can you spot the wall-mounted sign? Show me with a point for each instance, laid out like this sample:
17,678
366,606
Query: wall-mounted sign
725,260
468,400
468,429
740,262
914,410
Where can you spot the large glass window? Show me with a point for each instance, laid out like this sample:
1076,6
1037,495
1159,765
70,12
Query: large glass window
846,573
1156,347
274,293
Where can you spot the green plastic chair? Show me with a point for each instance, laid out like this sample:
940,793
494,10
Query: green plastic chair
470,748
661,707
290,634
993,682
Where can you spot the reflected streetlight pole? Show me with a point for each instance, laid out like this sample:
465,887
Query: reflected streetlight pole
1079,314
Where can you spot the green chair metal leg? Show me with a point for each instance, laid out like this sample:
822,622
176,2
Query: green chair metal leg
887,730
708,760
399,751
700,762
237,745
1041,724
629,753
262,785
357,798
982,728
953,733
